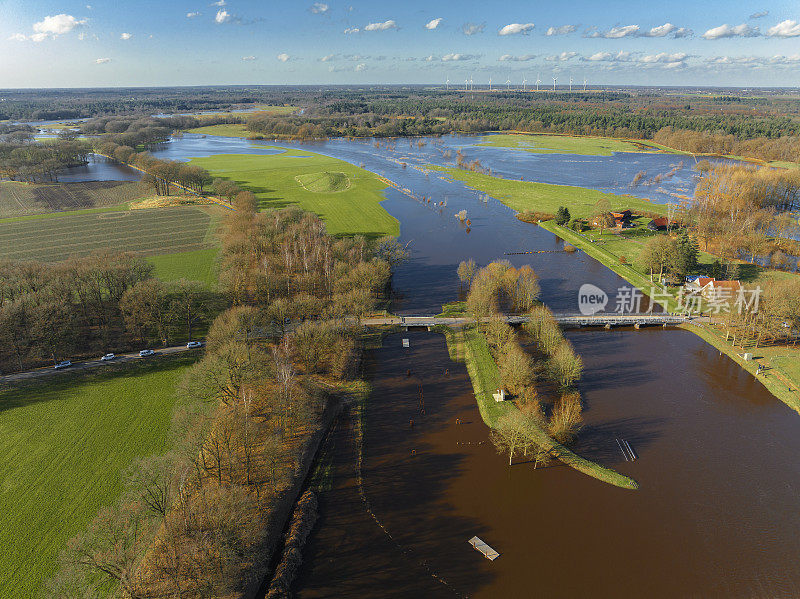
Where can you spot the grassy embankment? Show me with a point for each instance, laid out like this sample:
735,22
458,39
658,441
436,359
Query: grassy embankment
545,197
224,130
469,346
582,145
587,145
782,377
64,445
349,202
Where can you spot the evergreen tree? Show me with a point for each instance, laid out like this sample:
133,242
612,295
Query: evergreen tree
562,216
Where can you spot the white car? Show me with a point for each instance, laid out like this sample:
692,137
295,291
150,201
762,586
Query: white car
146,352
107,358
194,344
63,364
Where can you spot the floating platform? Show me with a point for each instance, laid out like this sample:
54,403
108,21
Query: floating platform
487,551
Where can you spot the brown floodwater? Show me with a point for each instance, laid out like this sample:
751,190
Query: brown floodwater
716,514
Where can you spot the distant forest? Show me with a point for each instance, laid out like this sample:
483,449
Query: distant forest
690,119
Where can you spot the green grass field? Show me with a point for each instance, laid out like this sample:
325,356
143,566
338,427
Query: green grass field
148,232
195,265
544,197
563,144
20,199
355,210
324,182
64,444
231,130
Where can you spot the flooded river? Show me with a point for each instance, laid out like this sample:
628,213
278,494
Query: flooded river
715,515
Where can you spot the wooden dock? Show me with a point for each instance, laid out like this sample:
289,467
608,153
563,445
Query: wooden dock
481,546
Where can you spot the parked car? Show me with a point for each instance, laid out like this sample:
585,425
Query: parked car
63,364
193,344
146,352
107,358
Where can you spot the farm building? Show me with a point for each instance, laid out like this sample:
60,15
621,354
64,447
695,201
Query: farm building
658,224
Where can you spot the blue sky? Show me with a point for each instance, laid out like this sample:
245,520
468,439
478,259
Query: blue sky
149,42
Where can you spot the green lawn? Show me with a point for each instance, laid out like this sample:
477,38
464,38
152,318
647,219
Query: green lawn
564,144
195,265
274,179
544,197
230,130
63,445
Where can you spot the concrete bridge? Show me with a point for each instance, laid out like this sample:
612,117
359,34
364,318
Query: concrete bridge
606,320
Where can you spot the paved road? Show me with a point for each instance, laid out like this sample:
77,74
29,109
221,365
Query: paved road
50,371
565,319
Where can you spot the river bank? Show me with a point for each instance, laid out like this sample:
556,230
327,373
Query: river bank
469,345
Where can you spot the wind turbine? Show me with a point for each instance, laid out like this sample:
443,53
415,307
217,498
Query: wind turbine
490,84
524,81
466,84
508,84
447,84
584,84
554,83
471,84
538,81
570,84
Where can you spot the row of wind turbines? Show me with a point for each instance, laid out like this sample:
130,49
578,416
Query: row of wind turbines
469,84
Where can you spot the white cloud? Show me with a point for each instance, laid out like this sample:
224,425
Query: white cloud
661,31
608,57
682,32
360,67
563,30
192,15
787,28
390,24
328,58
351,30
459,57
102,60
617,32
743,30
472,28
283,57
665,57
515,28
564,56
759,14
223,16
512,58
319,7
50,27
248,58
430,58
218,3
125,36
433,24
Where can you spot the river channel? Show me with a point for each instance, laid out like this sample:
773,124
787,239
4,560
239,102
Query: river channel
716,513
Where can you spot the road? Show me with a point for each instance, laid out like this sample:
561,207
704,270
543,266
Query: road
50,371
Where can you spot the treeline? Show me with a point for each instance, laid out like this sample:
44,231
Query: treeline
41,162
784,147
159,174
746,212
204,519
775,318
540,379
88,306
51,104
